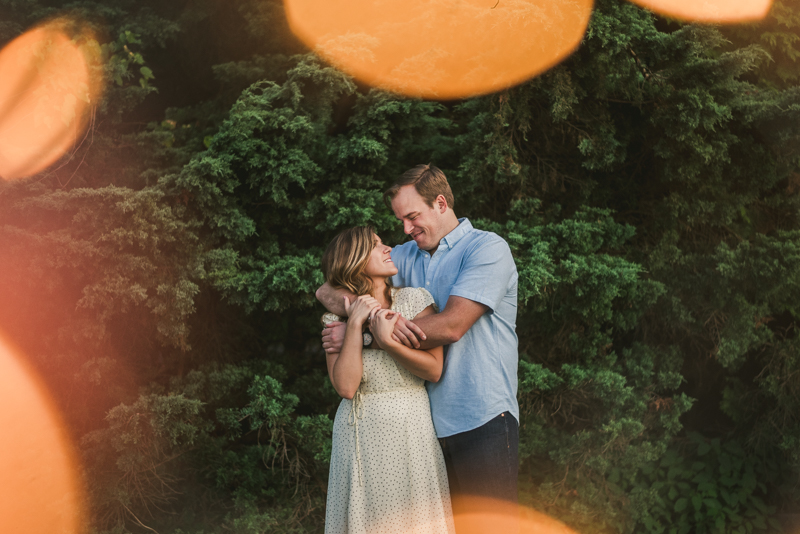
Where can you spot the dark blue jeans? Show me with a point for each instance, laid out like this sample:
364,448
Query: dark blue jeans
484,463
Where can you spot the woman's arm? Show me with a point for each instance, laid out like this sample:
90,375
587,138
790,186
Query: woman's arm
426,364
346,368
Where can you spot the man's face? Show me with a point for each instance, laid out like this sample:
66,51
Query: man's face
422,222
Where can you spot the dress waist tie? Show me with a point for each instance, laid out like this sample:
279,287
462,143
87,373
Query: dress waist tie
356,411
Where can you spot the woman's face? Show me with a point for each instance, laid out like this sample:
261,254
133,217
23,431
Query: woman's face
380,261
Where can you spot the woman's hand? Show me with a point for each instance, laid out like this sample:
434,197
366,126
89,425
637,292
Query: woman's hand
382,326
362,308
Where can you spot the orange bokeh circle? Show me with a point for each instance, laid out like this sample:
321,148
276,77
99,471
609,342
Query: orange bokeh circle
483,515
712,11
48,87
441,49
40,487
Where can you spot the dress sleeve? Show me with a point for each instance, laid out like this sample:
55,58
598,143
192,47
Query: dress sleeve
412,300
329,318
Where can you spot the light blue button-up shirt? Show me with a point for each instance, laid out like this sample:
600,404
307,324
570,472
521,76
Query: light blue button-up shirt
479,380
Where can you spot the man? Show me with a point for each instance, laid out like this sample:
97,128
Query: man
473,279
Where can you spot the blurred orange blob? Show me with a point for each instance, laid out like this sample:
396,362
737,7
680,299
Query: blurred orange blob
40,492
441,49
480,515
48,86
719,11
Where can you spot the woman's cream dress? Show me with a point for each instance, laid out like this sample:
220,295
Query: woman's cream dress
387,472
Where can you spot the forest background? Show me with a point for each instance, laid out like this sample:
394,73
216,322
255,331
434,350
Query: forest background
161,276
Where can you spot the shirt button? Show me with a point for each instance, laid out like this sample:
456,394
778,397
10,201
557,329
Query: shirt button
428,284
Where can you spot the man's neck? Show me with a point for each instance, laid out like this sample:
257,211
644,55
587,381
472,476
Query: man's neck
449,228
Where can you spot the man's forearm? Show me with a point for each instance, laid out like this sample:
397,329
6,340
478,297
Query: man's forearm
447,327
333,299
437,331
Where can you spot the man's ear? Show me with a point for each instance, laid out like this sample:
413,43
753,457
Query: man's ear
441,204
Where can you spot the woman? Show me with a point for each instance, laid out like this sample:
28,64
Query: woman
387,472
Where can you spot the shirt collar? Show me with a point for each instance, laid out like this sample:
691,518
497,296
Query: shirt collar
450,240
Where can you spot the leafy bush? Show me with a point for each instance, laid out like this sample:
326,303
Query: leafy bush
705,486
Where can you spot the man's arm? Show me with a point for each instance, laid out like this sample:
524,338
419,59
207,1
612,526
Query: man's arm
333,334
333,299
481,286
426,364
449,326
408,334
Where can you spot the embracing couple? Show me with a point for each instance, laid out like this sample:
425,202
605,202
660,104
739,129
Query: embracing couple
429,350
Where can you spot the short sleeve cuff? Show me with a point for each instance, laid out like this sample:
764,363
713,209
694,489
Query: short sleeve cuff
474,297
427,299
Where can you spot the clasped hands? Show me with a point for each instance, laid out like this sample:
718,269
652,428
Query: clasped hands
386,325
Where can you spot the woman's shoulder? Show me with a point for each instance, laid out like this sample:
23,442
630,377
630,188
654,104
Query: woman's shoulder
417,297
330,318
407,292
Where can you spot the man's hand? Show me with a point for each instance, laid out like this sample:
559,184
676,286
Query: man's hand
361,310
408,333
333,337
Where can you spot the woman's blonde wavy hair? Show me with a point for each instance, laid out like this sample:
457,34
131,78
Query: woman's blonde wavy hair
346,258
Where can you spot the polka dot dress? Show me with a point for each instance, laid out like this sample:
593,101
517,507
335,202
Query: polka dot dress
387,472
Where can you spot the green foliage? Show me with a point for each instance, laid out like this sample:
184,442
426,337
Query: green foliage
129,460
272,167
590,409
708,487
121,63
777,34
249,446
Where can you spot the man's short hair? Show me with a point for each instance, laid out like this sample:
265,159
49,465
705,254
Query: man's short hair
429,181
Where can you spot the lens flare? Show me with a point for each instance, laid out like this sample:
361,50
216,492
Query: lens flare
482,515
40,491
441,49
49,84
713,11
